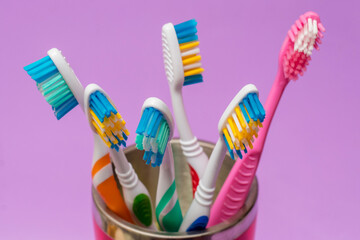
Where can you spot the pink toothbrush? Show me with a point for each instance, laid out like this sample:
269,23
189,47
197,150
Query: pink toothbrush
295,53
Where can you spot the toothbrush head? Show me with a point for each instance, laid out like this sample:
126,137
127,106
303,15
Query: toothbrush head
57,82
302,38
181,53
103,117
154,131
241,121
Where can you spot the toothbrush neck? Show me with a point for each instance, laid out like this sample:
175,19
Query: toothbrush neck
180,115
214,164
119,160
270,107
128,179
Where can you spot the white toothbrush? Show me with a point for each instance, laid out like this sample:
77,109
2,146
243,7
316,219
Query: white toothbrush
154,133
237,127
107,122
183,67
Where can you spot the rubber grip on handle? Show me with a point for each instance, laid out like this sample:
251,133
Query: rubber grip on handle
199,224
238,192
194,179
142,209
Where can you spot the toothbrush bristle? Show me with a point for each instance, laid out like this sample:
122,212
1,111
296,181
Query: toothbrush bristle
304,36
152,136
52,86
186,33
243,125
107,121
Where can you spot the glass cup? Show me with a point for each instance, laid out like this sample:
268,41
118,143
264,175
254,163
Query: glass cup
108,226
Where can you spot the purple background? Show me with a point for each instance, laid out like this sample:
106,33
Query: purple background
309,174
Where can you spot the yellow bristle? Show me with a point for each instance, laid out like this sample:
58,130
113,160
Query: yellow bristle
241,119
186,46
250,143
127,133
193,72
101,134
228,139
192,60
188,56
97,119
234,128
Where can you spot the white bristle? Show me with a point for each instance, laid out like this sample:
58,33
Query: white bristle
192,66
230,132
192,51
306,37
237,123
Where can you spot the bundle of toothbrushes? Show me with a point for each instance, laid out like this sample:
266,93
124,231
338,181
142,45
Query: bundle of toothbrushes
242,129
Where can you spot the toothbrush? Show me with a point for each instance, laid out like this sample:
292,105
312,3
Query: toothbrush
237,127
183,67
154,133
61,88
105,120
294,56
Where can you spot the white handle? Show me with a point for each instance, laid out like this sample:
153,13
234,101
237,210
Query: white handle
197,216
136,196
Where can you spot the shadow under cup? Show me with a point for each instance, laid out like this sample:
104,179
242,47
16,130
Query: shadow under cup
108,225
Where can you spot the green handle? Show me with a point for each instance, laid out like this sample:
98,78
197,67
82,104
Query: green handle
142,209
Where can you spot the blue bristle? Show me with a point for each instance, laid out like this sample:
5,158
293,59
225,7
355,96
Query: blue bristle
47,76
259,106
254,107
141,127
154,164
41,69
228,147
159,159
188,39
238,152
152,122
156,125
148,160
184,25
186,33
146,155
193,79
124,136
101,105
245,150
106,104
37,63
244,112
248,108
96,110
65,108
98,105
122,142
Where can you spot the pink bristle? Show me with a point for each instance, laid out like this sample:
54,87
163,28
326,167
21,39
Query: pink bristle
294,62
321,27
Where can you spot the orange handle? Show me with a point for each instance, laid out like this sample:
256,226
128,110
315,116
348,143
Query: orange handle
105,184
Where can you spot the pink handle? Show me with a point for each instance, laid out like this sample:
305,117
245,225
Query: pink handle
233,193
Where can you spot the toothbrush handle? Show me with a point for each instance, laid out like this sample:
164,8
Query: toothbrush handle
137,197
233,193
192,150
197,216
104,181
168,211
196,159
